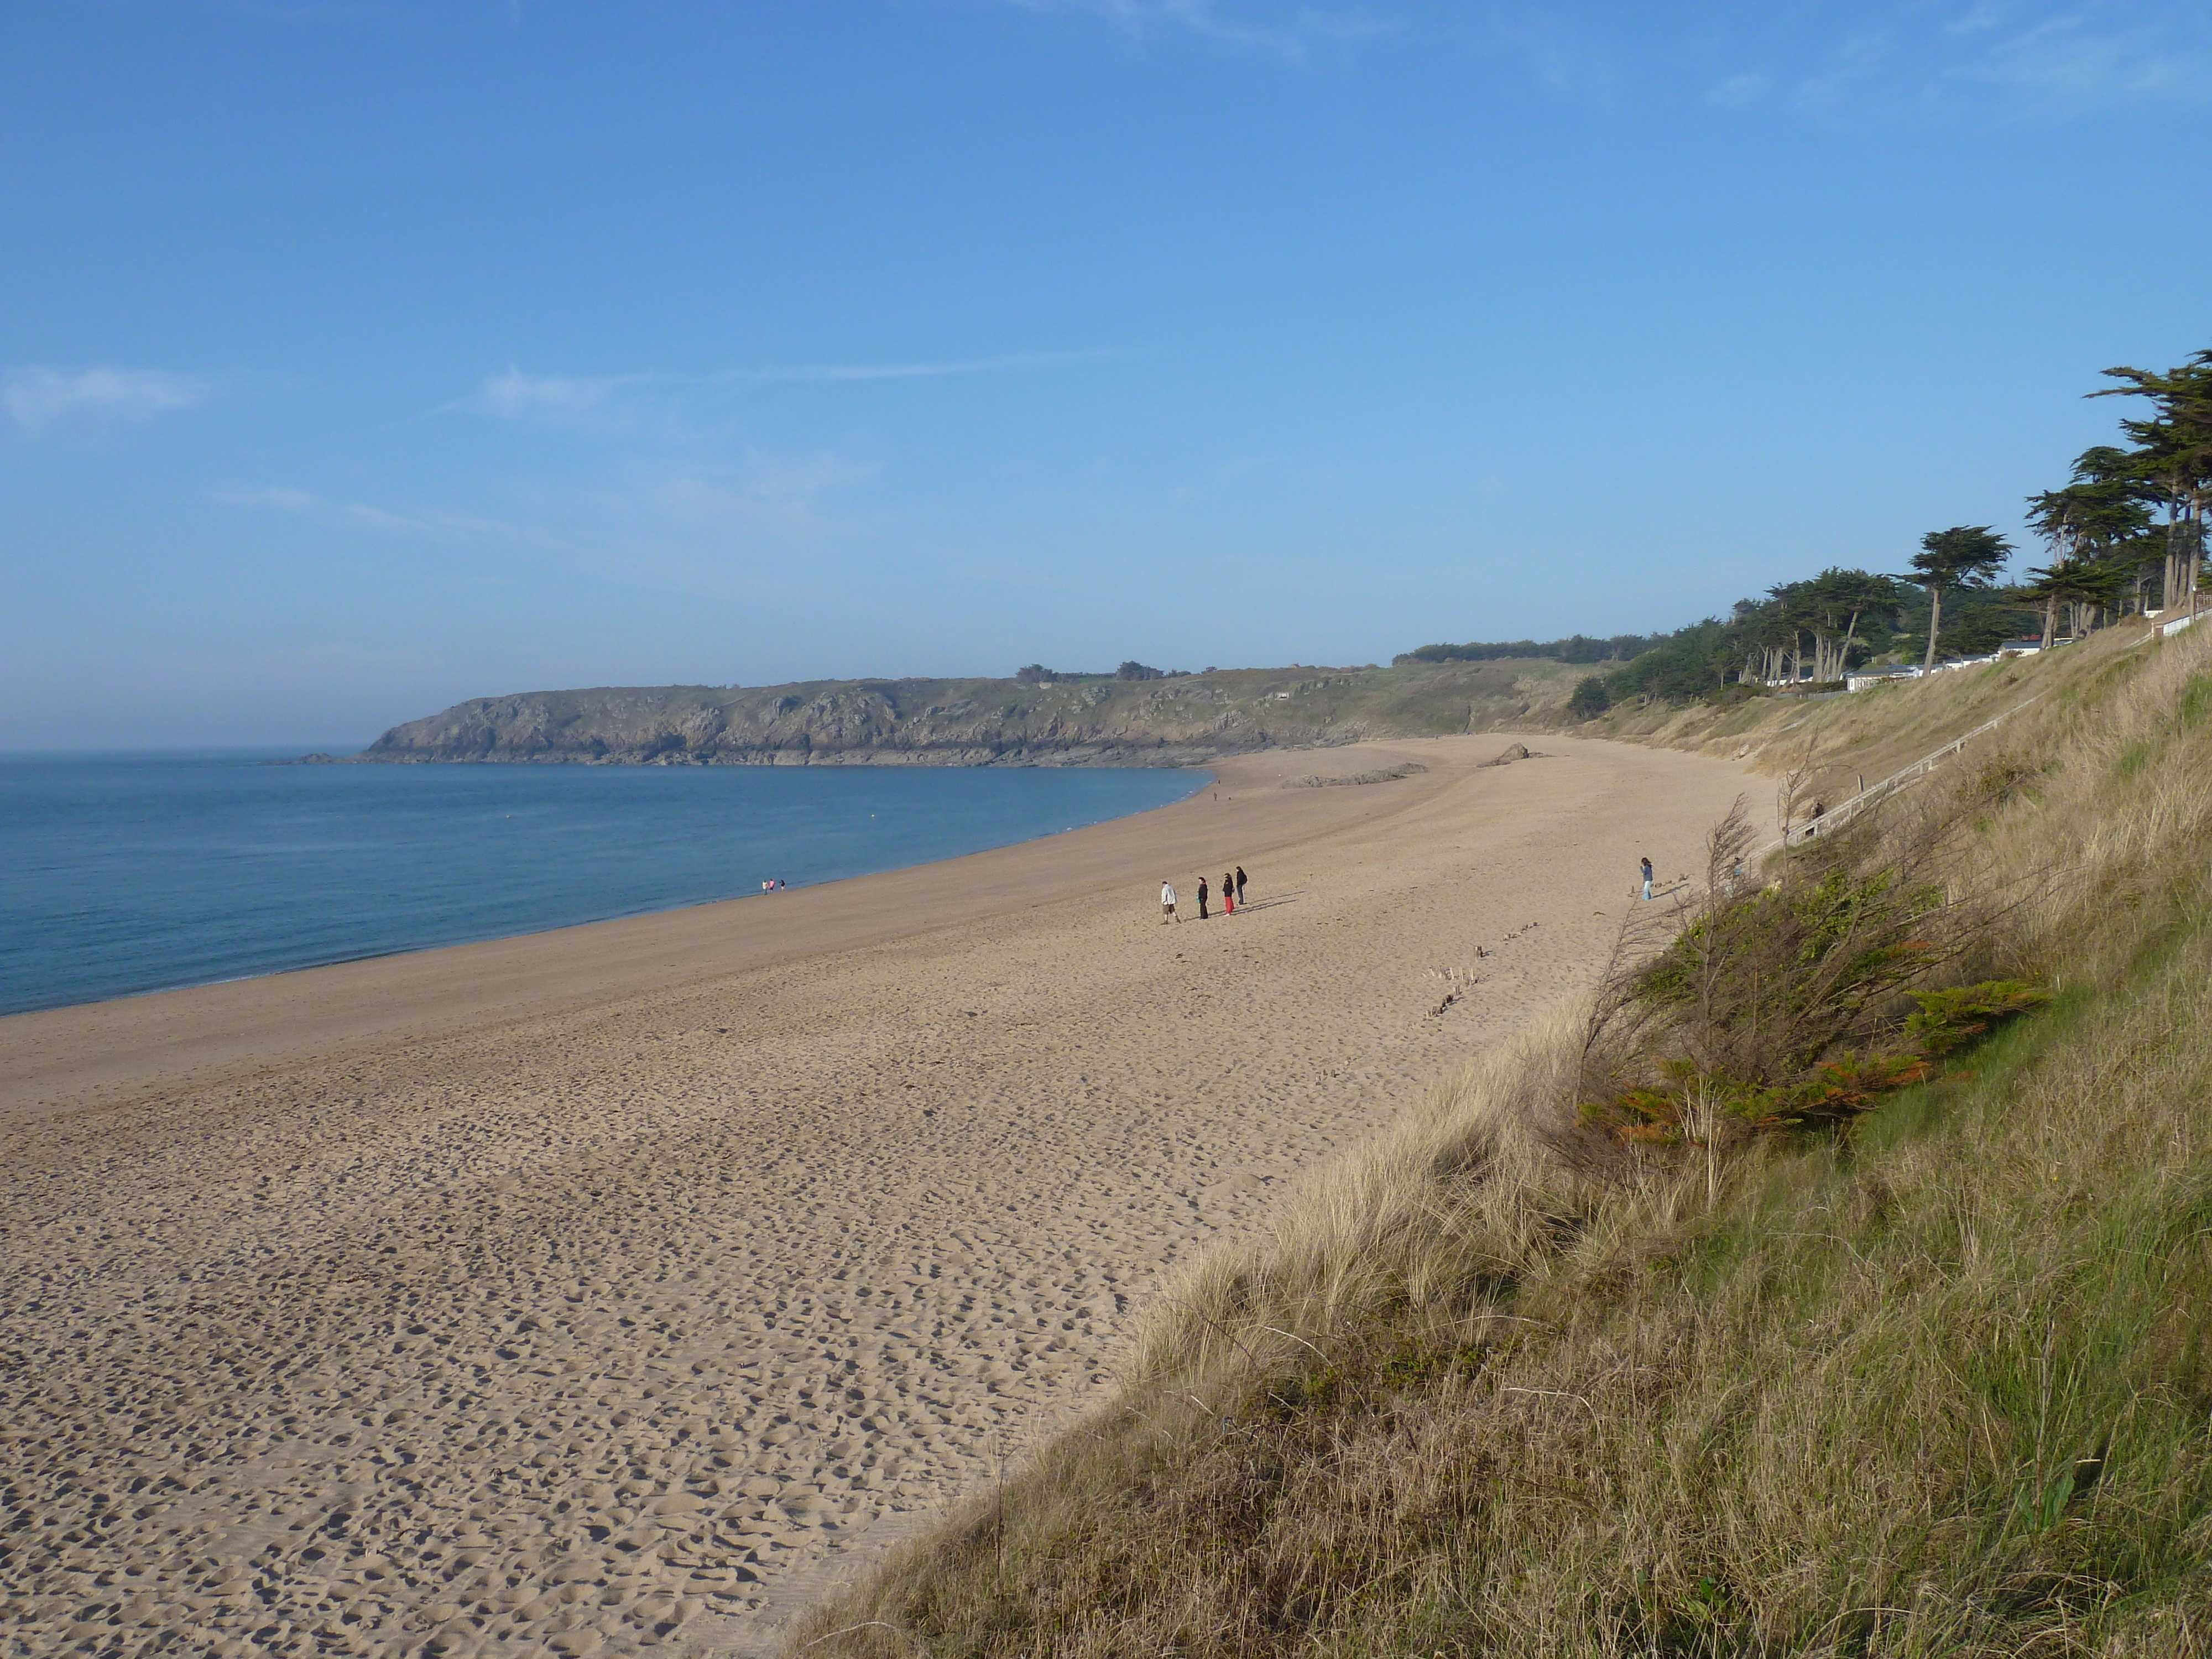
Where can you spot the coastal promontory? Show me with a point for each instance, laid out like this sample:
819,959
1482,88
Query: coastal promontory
1038,719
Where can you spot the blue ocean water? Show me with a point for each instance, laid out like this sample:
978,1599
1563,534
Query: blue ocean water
126,873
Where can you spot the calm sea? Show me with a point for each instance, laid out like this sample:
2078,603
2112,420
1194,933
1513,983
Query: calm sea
126,873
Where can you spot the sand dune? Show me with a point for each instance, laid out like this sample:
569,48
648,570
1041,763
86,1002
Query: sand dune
607,1289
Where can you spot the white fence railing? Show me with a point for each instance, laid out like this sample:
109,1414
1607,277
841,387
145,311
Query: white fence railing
1794,835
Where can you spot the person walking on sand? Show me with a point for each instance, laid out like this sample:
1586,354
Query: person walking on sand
1240,884
1644,864
1167,903
1201,898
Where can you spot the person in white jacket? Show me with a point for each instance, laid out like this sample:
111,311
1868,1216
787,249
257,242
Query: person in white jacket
1167,901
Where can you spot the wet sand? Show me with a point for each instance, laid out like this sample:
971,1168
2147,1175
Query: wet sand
613,1289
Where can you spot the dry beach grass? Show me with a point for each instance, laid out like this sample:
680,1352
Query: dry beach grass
1485,1386
619,1288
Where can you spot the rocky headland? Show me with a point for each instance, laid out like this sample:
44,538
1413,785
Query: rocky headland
1096,719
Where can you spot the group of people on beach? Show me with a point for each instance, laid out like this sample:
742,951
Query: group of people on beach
1232,894
773,884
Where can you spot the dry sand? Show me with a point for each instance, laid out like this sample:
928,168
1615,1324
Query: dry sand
615,1288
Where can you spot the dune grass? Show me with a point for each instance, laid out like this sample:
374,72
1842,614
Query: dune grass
1933,1382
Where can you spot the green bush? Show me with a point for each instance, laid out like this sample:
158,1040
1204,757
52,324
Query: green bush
1804,1002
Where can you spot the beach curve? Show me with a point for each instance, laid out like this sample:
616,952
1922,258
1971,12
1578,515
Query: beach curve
618,1287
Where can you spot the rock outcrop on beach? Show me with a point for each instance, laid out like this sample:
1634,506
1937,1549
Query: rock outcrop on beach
1515,751
1381,774
1174,720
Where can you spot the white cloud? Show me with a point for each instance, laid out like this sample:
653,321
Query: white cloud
349,515
762,492
764,489
2090,58
2036,57
1852,66
517,395
2024,56
1559,51
918,371
667,408
1738,90
432,526
1288,32
37,398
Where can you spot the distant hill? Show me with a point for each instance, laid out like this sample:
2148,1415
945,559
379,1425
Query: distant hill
1172,720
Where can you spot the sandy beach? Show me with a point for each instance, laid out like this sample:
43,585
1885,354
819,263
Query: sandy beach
614,1289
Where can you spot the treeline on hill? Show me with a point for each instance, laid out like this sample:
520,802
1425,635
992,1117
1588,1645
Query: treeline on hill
1815,631
1036,673
1575,648
2126,535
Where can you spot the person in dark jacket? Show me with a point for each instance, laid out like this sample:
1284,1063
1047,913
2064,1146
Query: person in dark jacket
1240,884
1229,896
1201,898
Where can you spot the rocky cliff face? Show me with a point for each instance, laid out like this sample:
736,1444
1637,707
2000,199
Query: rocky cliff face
1178,721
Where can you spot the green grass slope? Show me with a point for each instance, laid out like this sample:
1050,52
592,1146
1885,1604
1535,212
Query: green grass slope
1839,739
1925,1378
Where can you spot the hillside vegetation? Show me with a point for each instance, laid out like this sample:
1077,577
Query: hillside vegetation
1834,1281
2126,535
1171,720
1829,746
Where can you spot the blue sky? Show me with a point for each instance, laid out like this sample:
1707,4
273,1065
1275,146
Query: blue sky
363,355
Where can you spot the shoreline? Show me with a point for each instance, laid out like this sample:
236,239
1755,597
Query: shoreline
1204,776
74,1046
981,757
685,1261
